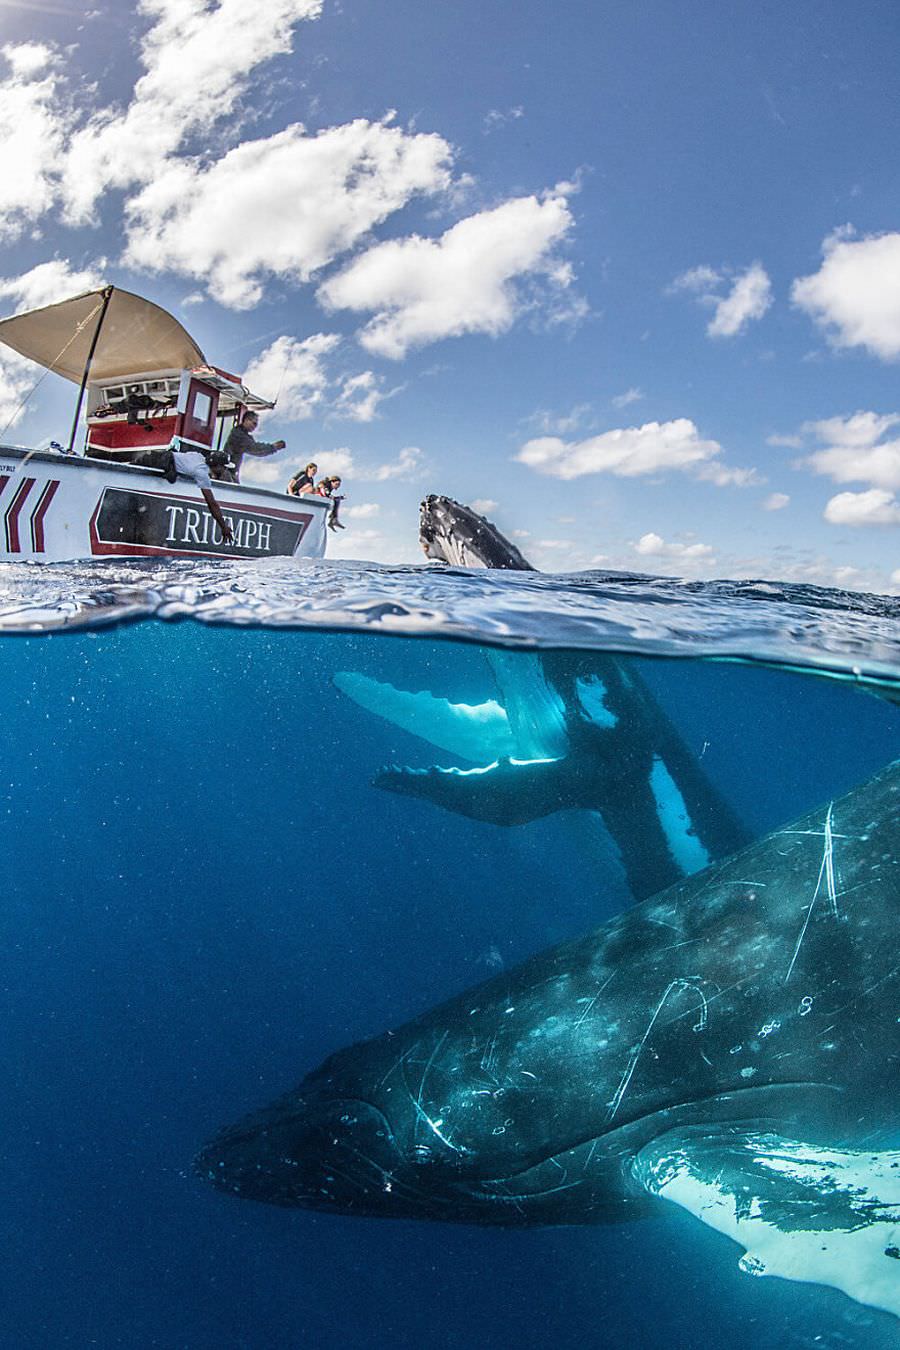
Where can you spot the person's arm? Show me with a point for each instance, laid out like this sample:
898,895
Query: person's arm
262,447
215,511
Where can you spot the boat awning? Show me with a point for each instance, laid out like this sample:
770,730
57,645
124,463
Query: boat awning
136,336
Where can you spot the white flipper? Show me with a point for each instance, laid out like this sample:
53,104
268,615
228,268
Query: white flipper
805,1212
477,732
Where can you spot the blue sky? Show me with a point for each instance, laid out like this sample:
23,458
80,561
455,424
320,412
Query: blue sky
627,273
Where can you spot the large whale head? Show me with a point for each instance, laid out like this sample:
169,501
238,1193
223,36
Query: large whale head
452,533
731,1045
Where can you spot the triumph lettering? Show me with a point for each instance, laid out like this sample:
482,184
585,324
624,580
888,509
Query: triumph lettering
157,522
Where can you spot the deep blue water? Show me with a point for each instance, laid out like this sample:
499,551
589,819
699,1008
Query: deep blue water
204,896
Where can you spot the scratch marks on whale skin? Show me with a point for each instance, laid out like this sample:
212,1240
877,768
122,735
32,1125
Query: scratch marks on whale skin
826,884
692,983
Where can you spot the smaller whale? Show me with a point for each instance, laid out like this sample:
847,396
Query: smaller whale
566,731
730,1046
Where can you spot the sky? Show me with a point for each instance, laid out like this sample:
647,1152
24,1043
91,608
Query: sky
624,275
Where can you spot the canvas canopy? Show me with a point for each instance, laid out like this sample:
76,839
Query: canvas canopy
136,336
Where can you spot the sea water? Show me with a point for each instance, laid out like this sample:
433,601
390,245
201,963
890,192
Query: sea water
204,895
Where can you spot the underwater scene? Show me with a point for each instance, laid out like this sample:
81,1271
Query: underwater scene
553,919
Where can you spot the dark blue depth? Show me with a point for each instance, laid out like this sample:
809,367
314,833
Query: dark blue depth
203,896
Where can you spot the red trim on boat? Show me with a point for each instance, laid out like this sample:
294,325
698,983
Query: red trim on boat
39,512
11,518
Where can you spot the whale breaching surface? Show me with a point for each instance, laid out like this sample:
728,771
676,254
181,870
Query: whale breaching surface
730,1046
566,730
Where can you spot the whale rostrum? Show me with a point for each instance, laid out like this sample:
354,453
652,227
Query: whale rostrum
730,1046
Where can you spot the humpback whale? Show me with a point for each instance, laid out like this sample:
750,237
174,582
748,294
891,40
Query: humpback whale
567,730
730,1046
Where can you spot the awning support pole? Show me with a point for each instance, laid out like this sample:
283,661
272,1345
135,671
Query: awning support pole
107,296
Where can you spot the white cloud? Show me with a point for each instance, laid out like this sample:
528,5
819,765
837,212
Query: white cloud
285,205
380,546
483,505
748,299
855,295
854,452
859,430
31,135
895,578
495,118
789,442
49,282
631,452
698,280
654,546
725,476
875,507
407,465
467,281
776,501
633,395
291,370
364,511
359,397
198,59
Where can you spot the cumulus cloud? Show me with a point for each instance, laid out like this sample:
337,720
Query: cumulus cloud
31,135
467,281
407,465
50,282
776,501
874,507
748,297
199,59
855,295
363,511
291,370
632,452
483,505
652,545
855,451
359,397
285,205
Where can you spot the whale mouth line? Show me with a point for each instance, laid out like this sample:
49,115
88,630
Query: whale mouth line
603,1135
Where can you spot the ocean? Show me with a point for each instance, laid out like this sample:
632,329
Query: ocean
205,895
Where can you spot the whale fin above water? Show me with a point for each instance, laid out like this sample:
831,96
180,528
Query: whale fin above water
474,731
812,1213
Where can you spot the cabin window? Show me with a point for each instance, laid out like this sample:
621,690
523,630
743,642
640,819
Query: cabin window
202,408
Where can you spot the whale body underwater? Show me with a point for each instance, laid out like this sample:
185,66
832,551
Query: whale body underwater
730,1046
563,731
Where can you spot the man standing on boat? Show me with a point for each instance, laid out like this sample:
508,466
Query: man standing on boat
241,443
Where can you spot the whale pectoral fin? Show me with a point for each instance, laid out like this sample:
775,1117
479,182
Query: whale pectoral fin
505,792
474,731
805,1212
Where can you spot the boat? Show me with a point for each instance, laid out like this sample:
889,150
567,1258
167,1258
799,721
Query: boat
147,391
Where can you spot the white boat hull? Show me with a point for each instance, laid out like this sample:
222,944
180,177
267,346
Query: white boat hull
61,508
